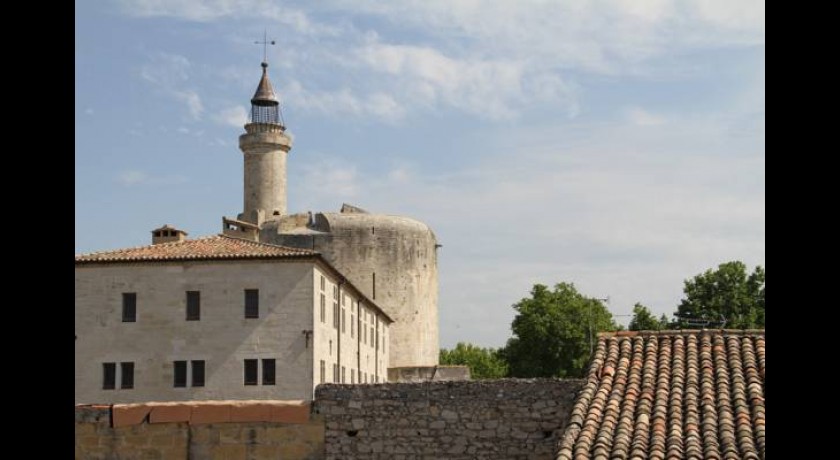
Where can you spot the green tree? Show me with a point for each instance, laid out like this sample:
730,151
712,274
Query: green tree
551,332
484,363
728,293
643,320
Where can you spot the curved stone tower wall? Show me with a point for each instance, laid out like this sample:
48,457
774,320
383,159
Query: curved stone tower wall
391,259
265,151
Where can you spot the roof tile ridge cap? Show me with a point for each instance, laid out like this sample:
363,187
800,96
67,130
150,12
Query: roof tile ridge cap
271,245
134,248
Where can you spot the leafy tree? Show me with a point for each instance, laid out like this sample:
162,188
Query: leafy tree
551,332
728,293
643,320
484,363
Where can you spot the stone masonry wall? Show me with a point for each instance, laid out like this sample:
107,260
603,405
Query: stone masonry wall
489,419
510,419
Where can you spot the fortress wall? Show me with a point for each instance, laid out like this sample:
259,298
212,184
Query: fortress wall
508,418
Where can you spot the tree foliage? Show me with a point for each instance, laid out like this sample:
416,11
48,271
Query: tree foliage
551,332
728,293
643,320
484,363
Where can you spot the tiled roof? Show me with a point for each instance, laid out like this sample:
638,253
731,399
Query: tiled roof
217,247
671,395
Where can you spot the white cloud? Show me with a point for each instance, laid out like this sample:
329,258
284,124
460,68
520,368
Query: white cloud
343,102
169,73
129,178
213,10
641,117
192,101
132,178
235,116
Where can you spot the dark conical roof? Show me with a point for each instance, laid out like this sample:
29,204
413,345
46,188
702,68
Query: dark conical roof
265,92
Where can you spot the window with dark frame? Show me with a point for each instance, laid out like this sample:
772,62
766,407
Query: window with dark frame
323,308
193,305
180,380
197,373
109,376
250,372
323,371
268,373
126,376
129,307
252,303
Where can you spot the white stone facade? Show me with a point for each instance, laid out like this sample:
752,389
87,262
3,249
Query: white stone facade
288,329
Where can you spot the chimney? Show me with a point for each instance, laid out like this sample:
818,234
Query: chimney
167,234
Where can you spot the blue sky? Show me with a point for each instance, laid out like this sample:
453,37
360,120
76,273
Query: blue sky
618,145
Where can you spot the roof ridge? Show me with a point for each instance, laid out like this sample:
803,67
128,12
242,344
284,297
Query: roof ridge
271,245
675,332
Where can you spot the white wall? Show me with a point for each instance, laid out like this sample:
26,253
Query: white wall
223,337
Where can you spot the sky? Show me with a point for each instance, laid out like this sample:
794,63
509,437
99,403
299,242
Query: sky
616,145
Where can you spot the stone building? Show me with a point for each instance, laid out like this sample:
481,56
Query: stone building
392,259
339,297
220,318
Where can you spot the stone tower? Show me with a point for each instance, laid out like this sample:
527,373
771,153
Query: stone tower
391,259
265,146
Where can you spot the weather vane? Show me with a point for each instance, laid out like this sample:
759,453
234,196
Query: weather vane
265,44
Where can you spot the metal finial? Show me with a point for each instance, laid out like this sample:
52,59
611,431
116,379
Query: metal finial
265,42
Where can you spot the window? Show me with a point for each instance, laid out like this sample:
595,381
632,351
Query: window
197,373
126,376
336,318
129,307
323,308
343,379
180,374
323,371
352,375
250,372
252,303
343,322
323,283
352,325
109,376
193,305
268,372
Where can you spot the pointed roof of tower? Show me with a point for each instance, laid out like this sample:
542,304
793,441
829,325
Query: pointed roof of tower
265,92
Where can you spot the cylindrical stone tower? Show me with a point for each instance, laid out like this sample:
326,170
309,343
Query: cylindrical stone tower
265,145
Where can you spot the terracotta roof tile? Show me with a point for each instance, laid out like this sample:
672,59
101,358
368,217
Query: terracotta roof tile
217,247
695,394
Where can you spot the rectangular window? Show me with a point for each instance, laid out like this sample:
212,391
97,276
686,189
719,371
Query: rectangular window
268,372
252,303
198,373
180,374
343,375
323,371
109,376
343,321
335,373
323,308
371,336
352,375
335,315
126,375
250,372
193,305
323,283
352,326
129,307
